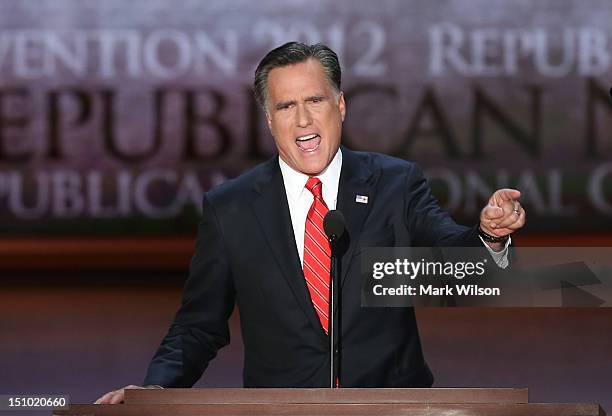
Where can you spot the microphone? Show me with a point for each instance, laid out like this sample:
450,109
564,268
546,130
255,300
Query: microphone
610,93
334,226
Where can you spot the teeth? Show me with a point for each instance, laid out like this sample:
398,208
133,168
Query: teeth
305,138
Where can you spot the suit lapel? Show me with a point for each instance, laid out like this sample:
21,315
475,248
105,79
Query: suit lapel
356,181
272,212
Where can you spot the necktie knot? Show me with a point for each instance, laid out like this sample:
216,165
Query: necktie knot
315,186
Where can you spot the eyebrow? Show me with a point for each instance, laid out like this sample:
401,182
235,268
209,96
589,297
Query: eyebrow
285,104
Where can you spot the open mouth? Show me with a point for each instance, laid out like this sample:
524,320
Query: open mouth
308,143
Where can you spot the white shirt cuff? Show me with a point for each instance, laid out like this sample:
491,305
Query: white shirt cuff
500,257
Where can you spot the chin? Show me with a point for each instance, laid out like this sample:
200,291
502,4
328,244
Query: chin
314,170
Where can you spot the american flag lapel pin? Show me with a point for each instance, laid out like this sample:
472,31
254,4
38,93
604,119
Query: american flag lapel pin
362,199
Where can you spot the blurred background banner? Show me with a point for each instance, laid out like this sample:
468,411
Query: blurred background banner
116,116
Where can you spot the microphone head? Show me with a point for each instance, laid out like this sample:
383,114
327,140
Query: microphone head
334,224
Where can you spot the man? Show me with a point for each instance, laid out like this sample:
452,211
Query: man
260,245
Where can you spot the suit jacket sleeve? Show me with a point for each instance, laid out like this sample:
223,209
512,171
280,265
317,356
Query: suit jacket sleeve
200,326
428,224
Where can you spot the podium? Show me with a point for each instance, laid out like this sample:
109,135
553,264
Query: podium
344,401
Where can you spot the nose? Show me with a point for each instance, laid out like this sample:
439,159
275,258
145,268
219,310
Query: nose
303,117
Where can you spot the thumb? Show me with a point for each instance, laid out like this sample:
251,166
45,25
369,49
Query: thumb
491,212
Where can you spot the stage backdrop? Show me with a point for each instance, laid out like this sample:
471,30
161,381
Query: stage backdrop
116,116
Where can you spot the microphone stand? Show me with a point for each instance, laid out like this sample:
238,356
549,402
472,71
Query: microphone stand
334,291
334,227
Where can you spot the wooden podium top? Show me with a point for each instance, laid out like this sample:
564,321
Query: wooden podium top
338,396
417,402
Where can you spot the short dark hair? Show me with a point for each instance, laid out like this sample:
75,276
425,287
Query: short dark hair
294,53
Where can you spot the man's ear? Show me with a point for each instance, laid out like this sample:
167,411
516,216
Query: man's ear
269,121
342,105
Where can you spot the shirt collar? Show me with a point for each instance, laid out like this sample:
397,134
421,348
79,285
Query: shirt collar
295,181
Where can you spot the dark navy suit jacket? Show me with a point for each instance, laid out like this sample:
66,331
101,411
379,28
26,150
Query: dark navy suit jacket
246,254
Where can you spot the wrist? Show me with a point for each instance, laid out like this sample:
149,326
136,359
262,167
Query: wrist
491,239
496,247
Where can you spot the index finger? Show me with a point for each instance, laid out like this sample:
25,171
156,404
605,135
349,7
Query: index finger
104,399
507,194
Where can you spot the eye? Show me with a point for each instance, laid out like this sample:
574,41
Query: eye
285,106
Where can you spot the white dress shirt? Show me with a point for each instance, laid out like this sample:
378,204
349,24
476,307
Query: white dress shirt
300,199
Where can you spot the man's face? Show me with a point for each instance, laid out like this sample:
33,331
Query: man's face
305,116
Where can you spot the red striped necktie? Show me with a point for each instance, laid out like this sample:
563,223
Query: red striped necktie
317,253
